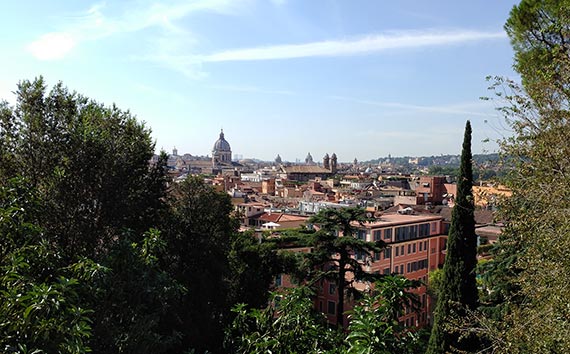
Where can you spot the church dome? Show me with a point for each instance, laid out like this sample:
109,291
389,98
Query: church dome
221,144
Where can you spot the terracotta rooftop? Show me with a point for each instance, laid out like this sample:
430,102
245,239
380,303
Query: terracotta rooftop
396,219
481,216
305,169
277,217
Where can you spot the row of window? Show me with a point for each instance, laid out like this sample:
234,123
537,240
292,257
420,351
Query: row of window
399,250
376,235
402,233
411,232
411,266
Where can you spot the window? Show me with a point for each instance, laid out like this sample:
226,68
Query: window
409,248
361,235
414,247
279,280
401,269
387,234
277,300
377,234
424,230
402,250
331,307
332,288
320,306
376,256
386,270
397,251
409,266
433,227
387,253
420,246
425,245
359,255
423,264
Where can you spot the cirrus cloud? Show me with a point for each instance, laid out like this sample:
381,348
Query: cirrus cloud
359,46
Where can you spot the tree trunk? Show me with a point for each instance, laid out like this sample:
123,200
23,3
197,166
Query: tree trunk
340,285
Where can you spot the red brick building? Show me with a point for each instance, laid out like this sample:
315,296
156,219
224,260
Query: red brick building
416,245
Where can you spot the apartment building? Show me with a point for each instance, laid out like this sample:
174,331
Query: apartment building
415,245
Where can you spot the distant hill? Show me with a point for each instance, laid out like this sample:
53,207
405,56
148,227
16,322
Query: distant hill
440,160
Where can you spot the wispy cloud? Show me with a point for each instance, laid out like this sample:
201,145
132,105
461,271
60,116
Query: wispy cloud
358,46
52,46
471,109
97,23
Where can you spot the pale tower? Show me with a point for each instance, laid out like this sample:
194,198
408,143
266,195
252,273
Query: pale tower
309,159
333,163
326,162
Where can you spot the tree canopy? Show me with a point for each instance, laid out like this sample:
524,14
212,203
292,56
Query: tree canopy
333,246
526,307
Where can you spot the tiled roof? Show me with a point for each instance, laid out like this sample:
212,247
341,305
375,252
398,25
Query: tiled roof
306,169
481,216
277,217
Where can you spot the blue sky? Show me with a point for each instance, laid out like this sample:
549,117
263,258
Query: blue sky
363,78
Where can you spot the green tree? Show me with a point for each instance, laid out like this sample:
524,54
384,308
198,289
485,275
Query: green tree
333,247
458,291
254,263
526,308
199,234
289,324
374,325
88,167
40,305
89,162
538,30
134,298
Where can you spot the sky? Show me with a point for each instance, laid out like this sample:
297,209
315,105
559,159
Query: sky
360,78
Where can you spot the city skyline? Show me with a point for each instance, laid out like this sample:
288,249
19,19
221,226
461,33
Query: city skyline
280,77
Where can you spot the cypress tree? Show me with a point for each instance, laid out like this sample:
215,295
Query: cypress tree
459,289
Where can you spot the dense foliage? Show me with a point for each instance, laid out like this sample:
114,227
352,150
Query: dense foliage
331,255
98,250
526,309
374,325
289,324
